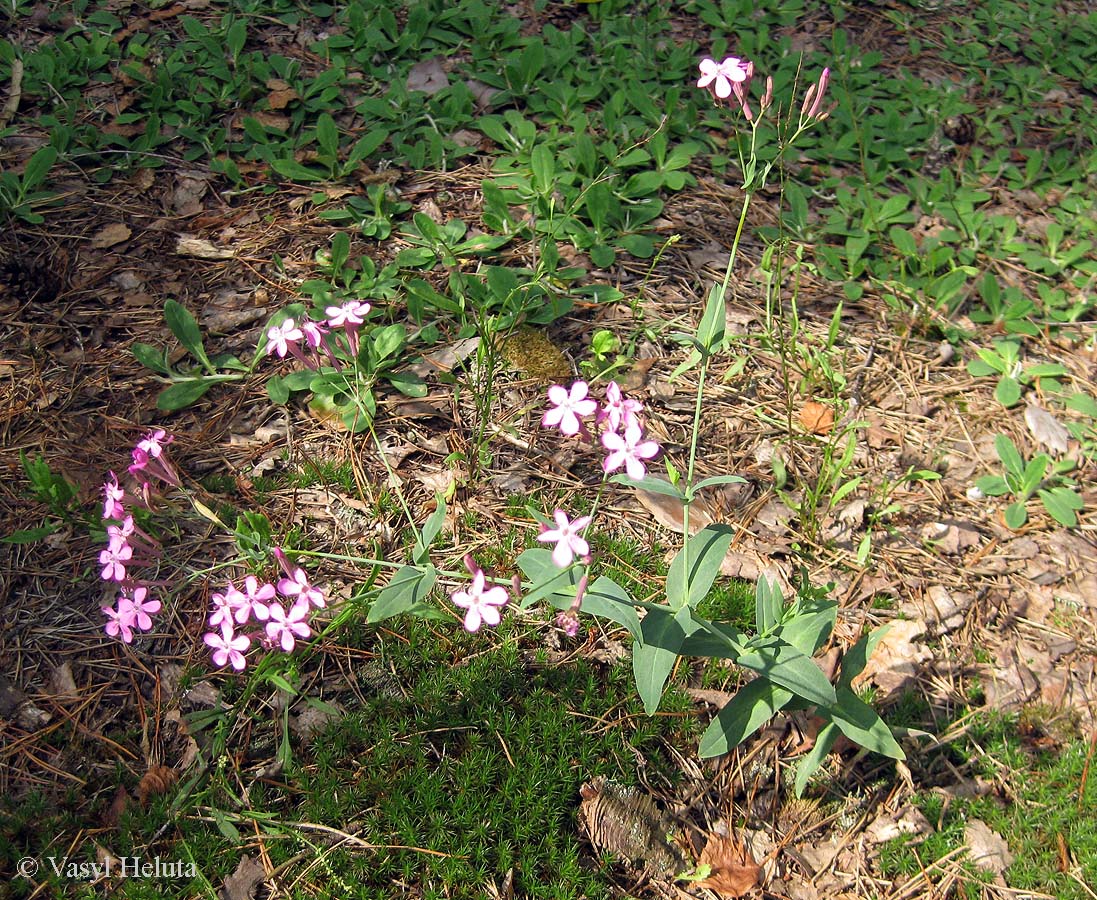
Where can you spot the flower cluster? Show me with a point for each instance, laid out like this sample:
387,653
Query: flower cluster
732,77
618,417
622,434
312,343
258,603
129,548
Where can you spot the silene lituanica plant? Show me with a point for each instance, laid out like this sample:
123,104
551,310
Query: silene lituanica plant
342,353
787,634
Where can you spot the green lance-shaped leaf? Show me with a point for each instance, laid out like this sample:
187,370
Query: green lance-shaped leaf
420,554
788,667
824,741
653,660
746,712
183,394
860,723
697,565
186,331
407,589
768,604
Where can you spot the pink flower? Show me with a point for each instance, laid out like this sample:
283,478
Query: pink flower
154,442
283,628
120,624
228,648
569,405
719,77
628,450
283,338
222,613
113,495
134,603
113,560
568,538
350,313
297,585
254,601
618,410
482,605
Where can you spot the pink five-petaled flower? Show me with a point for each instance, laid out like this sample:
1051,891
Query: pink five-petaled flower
254,600
348,316
719,77
283,338
482,605
569,405
568,538
228,647
113,560
113,495
628,450
222,612
120,622
154,442
297,585
134,602
618,410
284,628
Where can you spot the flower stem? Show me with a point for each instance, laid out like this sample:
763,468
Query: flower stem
701,383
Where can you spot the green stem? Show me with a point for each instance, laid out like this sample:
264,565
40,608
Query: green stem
701,385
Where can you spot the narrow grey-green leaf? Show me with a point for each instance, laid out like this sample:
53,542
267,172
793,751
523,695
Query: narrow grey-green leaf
746,712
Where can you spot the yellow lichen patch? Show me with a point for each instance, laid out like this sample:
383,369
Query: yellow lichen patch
535,356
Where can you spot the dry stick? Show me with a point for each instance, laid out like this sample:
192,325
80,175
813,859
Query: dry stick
15,92
1085,770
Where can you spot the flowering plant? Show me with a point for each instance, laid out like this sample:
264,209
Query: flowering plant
787,634
340,359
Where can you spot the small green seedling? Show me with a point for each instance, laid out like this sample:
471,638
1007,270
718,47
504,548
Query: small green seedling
187,386
1038,476
56,491
19,195
1004,359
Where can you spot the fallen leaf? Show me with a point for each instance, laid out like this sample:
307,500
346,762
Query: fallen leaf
117,807
734,871
156,781
896,659
186,245
110,235
668,511
186,199
909,820
816,418
428,76
1047,430
989,850
62,684
241,884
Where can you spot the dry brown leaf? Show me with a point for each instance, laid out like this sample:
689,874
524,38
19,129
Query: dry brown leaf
816,418
1047,430
110,235
887,827
667,511
117,806
989,850
156,781
62,684
428,76
896,658
241,884
186,199
199,248
734,871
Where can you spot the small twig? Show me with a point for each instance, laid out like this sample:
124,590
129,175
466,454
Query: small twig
15,92
1085,770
